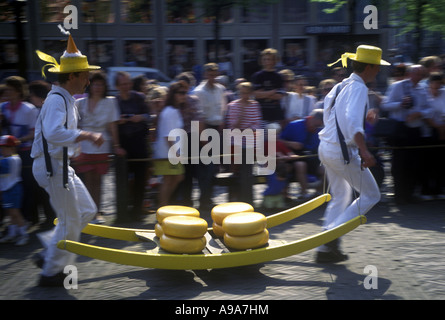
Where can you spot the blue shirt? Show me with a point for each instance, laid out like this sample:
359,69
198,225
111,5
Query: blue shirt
296,131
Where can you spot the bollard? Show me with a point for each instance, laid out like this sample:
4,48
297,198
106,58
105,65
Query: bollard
120,165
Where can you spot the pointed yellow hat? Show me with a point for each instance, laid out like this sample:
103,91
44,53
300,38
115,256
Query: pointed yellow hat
365,54
72,60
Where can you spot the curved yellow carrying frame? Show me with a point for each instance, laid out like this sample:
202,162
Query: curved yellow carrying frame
129,234
275,250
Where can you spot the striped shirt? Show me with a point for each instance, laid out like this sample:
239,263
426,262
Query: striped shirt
250,118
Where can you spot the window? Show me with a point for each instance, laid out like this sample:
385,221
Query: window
256,14
9,57
294,54
180,11
52,11
139,11
251,53
139,53
224,54
97,11
181,55
54,48
226,16
100,53
7,12
295,11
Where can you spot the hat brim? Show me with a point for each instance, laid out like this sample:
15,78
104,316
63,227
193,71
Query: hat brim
382,62
57,70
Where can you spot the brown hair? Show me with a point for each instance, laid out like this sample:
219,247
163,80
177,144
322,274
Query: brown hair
18,84
173,89
99,76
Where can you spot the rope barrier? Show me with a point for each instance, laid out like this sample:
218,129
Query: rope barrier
292,158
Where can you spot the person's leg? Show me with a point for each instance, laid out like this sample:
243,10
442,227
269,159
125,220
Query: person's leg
363,182
301,175
75,208
169,185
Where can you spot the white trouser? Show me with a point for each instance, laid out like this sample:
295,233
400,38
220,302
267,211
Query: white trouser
343,179
74,208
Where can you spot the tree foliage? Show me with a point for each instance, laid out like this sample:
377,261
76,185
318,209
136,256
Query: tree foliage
409,15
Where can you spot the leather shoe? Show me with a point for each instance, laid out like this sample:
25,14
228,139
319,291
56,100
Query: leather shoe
330,257
52,281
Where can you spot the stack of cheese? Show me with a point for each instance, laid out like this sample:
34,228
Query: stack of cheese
221,211
241,228
245,230
180,229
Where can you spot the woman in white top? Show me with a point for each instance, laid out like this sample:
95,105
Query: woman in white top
98,113
170,118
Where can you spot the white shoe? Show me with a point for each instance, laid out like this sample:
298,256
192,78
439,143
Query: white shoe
98,220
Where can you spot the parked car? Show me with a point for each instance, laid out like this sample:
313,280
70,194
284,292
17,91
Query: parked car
149,73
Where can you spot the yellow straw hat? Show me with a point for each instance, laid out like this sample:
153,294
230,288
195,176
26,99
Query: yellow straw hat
72,60
365,54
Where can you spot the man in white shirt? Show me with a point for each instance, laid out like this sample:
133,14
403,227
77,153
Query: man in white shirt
212,103
56,140
343,150
212,100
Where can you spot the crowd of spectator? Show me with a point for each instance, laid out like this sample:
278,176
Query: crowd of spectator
137,121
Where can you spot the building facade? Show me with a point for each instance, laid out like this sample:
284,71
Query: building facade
177,35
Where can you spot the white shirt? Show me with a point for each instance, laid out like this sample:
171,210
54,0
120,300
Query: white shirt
392,102
169,119
349,107
297,106
21,121
212,102
105,112
51,122
438,107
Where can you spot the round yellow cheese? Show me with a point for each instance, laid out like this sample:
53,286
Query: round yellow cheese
158,230
217,230
181,245
167,211
244,223
184,227
247,242
220,211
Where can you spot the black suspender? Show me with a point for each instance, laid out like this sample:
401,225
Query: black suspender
49,167
344,148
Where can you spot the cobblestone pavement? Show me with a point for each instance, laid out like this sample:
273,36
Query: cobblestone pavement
404,243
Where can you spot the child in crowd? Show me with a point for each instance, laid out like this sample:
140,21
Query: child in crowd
276,192
12,190
273,196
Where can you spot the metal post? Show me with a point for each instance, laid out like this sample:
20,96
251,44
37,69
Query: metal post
120,164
